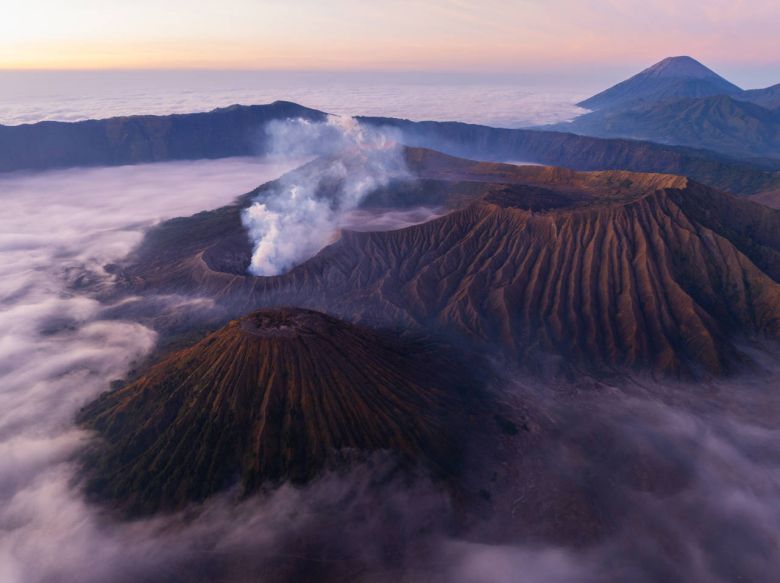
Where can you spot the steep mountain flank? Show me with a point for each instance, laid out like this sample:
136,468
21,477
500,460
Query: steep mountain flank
671,78
274,396
605,269
721,123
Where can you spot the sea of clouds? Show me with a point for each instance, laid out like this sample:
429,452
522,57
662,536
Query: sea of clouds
73,96
57,230
716,521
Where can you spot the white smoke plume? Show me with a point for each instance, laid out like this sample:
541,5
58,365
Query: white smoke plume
300,215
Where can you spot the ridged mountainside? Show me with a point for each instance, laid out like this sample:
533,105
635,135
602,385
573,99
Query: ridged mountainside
607,269
273,396
723,124
649,283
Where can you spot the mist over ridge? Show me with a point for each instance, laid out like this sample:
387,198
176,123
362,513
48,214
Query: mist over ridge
490,100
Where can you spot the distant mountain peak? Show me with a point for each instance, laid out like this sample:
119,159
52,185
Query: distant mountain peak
682,67
671,78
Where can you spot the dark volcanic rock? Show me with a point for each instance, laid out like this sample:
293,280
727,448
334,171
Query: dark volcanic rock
273,396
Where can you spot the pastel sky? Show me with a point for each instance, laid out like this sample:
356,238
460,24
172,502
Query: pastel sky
453,35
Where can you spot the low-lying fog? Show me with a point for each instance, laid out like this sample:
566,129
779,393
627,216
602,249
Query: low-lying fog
389,219
690,474
55,351
78,95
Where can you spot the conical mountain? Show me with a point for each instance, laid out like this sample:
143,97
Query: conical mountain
671,78
682,67
274,396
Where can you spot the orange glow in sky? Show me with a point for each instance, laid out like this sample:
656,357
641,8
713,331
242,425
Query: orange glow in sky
381,34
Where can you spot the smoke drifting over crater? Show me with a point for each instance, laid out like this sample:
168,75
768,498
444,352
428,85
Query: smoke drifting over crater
304,210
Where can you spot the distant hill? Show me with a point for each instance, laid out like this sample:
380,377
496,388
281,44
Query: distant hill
238,131
223,132
674,77
721,123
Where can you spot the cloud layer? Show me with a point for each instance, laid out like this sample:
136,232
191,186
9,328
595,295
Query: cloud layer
73,96
57,230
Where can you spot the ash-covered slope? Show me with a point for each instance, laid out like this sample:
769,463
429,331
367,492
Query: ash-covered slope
273,396
604,269
662,281
671,78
